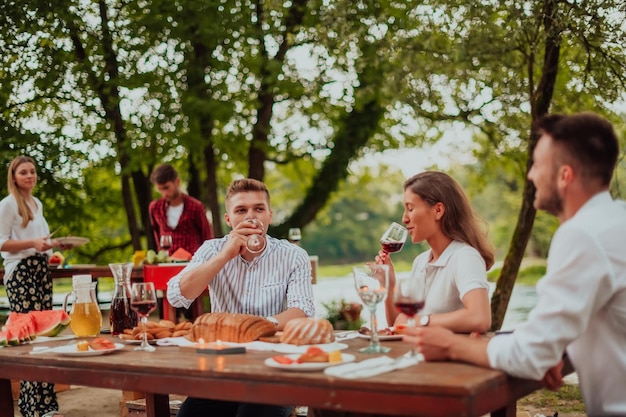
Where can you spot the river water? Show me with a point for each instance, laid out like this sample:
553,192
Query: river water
523,299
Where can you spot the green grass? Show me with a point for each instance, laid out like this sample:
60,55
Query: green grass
334,271
568,399
530,272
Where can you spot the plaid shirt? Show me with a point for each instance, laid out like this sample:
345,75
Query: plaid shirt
192,229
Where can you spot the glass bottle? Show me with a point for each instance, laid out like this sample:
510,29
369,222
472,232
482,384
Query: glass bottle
122,316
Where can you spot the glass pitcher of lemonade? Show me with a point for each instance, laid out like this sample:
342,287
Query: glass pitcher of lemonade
85,314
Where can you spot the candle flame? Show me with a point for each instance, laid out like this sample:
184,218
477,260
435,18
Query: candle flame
201,341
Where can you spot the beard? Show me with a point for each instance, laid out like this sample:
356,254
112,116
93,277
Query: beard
173,197
550,200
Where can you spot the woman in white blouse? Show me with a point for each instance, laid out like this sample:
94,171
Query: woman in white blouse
453,272
25,247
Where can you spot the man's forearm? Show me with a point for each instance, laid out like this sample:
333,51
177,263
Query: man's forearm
194,282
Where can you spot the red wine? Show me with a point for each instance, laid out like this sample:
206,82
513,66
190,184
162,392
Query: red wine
144,307
410,308
121,315
391,246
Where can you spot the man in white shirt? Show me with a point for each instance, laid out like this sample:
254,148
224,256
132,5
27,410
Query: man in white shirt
582,298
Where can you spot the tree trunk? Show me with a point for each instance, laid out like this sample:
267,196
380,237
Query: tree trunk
540,104
143,194
212,188
358,127
259,145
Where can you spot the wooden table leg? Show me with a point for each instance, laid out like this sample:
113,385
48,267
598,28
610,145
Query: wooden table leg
129,396
6,398
157,405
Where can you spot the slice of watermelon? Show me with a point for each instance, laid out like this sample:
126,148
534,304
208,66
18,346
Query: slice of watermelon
50,322
8,337
180,255
24,322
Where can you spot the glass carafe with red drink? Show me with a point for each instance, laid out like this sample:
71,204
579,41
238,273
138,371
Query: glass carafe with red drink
122,316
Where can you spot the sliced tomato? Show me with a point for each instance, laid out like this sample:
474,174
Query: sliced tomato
314,351
100,343
283,360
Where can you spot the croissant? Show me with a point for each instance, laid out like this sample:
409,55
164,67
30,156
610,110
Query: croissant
230,327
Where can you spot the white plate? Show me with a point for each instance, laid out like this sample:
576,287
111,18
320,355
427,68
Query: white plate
73,240
307,366
326,347
382,338
137,342
43,339
71,350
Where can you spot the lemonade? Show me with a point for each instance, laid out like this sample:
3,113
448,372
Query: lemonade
86,319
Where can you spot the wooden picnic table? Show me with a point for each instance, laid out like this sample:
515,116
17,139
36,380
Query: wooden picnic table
96,271
427,389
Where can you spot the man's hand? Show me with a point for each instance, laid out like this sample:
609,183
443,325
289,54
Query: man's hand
438,343
553,379
432,342
237,238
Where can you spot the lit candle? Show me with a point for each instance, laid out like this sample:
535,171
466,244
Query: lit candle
218,348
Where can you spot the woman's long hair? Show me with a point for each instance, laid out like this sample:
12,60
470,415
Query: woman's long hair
459,221
23,208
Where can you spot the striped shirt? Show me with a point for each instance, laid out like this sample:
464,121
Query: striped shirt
276,280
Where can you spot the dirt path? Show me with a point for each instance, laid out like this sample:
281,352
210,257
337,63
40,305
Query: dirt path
82,401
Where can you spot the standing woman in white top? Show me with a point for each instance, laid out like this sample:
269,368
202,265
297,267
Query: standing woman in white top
25,246
453,272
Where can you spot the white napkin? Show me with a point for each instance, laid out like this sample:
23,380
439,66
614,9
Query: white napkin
182,341
371,367
174,341
346,335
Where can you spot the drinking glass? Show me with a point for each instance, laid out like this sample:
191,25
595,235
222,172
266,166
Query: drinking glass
393,238
295,235
409,299
143,300
166,242
371,282
256,242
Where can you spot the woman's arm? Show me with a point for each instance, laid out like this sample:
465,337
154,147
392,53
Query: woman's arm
475,316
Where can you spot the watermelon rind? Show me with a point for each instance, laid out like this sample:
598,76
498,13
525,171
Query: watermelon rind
50,322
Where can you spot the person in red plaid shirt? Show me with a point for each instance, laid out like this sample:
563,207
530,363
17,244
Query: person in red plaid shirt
176,213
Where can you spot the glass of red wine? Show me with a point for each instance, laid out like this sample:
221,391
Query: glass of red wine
394,237
408,298
371,282
166,242
143,300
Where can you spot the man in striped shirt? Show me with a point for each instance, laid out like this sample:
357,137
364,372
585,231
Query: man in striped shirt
274,283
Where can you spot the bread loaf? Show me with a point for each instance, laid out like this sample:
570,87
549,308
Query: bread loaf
229,327
306,331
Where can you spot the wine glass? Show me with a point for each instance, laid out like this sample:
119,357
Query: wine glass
256,242
393,238
294,235
166,242
409,299
143,300
371,283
